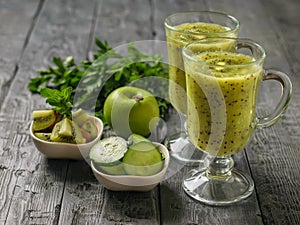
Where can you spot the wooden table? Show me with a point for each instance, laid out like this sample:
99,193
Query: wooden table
36,190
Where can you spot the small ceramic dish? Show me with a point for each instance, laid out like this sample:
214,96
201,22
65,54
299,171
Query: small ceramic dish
133,183
60,150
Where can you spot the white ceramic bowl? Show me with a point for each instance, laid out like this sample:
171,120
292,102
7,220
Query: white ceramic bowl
133,183
59,150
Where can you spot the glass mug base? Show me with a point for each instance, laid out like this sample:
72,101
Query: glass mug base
218,192
183,151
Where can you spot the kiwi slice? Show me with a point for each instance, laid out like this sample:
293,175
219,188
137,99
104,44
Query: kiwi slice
79,139
67,131
43,136
86,135
43,119
143,159
66,128
79,117
89,127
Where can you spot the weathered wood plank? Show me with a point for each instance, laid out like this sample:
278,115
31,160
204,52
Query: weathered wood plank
273,152
121,22
177,207
36,185
87,202
118,22
83,196
35,190
16,20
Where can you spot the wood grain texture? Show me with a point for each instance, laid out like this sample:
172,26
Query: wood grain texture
37,184
35,190
121,22
83,199
16,21
284,159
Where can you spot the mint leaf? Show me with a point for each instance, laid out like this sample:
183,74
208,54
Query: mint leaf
59,100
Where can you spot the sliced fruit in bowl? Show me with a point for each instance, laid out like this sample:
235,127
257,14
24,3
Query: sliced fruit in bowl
67,131
61,133
80,117
88,130
43,119
143,159
134,165
107,155
43,136
64,138
47,126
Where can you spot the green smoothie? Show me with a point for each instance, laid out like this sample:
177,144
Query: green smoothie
177,38
221,101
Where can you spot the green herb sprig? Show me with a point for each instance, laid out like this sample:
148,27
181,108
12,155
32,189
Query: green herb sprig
59,100
98,73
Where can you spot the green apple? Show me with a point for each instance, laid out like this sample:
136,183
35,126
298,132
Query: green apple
131,110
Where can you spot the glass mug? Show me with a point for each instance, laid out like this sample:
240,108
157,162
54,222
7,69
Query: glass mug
222,88
182,28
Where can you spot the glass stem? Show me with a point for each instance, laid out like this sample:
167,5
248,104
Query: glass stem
184,122
218,167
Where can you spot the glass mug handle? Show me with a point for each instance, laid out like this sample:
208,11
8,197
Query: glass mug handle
286,85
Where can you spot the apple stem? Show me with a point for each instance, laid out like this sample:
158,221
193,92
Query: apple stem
138,97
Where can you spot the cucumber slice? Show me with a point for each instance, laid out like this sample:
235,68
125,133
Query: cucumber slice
135,138
108,151
143,159
117,169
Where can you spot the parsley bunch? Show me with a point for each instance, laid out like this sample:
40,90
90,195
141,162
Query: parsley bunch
98,73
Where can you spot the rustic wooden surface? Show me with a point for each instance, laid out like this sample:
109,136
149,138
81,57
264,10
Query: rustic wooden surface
35,190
